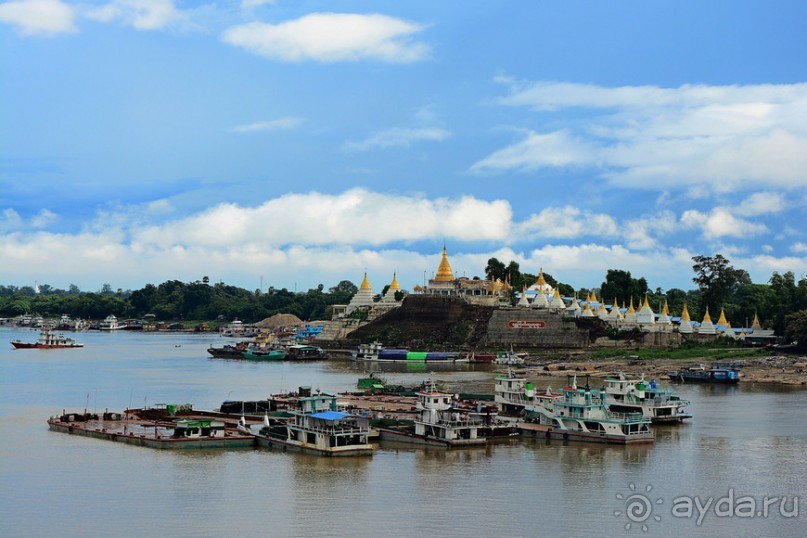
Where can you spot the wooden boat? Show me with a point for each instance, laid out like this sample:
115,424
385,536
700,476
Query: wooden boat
48,340
228,351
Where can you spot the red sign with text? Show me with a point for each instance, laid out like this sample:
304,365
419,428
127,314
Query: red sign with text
514,324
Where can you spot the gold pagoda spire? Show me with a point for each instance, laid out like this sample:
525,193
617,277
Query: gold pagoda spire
706,316
666,310
365,284
630,308
593,296
685,315
444,273
755,325
722,320
394,285
541,281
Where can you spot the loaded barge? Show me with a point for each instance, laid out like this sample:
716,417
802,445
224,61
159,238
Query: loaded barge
131,429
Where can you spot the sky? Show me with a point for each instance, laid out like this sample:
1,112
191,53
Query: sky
289,144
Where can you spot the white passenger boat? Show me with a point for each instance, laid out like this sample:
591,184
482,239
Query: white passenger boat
639,396
583,415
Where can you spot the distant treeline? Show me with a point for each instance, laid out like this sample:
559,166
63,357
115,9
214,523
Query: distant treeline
174,300
780,303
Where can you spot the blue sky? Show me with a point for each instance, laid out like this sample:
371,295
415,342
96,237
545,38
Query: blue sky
298,143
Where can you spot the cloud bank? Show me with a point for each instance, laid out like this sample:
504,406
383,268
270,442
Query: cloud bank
717,138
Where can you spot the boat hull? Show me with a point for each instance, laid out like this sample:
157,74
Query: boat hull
548,432
386,434
238,441
25,345
294,446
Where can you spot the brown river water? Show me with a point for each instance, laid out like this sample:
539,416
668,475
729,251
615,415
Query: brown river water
738,468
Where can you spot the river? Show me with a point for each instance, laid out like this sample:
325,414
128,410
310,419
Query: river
738,468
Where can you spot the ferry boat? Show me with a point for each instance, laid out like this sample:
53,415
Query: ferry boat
190,432
639,396
109,323
317,427
699,374
48,340
259,353
438,423
376,352
583,415
513,394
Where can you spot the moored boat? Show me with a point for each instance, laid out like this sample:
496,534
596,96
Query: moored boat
109,323
438,423
639,396
319,428
376,352
699,374
48,340
583,415
190,432
228,351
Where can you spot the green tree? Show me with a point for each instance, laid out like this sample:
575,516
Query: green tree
717,280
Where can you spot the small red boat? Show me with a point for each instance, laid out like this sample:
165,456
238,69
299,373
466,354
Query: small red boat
48,340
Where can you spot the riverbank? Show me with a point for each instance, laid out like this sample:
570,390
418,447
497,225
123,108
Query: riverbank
776,369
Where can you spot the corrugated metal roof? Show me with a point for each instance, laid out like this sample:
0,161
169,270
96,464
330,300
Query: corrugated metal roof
330,415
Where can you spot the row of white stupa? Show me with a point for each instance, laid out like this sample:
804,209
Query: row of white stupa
546,297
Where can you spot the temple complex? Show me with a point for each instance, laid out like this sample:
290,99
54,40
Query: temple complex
541,301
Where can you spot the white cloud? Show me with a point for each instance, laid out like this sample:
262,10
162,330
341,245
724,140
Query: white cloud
44,218
271,125
566,223
9,220
799,248
717,138
556,149
720,223
139,14
762,203
331,37
39,17
355,216
401,138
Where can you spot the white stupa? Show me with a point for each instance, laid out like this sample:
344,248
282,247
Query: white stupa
389,297
363,297
686,324
707,327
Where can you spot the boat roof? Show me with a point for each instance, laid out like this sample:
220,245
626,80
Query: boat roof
330,415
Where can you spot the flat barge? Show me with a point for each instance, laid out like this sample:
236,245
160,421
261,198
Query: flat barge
186,433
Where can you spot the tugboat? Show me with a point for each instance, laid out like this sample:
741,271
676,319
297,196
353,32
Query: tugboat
640,396
48,340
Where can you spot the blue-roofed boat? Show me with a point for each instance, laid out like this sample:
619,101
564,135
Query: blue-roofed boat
699,374
319,428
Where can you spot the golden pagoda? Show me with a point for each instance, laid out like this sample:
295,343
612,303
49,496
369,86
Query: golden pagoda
686,323
685,315
722,320
444,273
365,284
394,286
